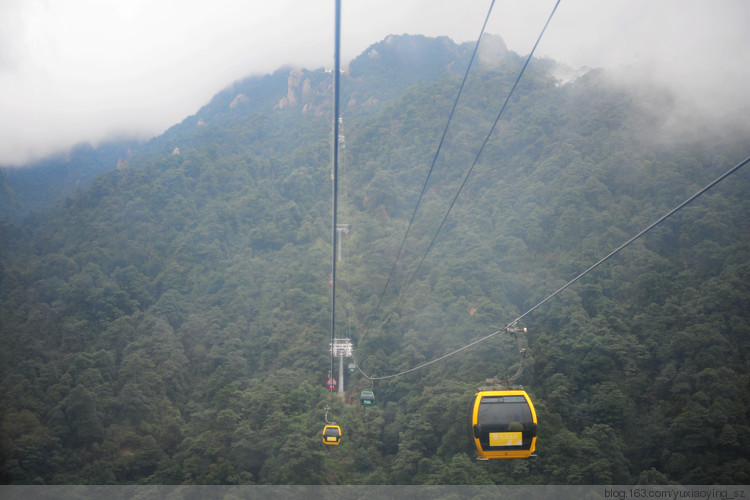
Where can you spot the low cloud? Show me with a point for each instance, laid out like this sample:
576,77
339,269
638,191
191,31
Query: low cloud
84,70
699,51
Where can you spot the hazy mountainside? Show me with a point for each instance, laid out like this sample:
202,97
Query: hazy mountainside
48,182
170,324
374,78
9,200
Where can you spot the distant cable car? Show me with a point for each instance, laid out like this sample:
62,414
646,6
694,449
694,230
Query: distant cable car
503,424
367,398
331,434
352,368
331,384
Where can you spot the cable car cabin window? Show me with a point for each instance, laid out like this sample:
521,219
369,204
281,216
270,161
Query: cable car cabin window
504,423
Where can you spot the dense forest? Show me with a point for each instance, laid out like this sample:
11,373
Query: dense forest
170,322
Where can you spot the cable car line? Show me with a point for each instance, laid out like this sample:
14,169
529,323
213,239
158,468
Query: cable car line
335,161
481,150
344,227
641,233
572,281
466,177
432,165
468,173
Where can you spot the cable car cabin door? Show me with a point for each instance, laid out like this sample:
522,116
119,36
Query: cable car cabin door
503,424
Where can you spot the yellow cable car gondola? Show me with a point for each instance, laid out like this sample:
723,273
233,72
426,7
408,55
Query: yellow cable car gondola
503,424
331,434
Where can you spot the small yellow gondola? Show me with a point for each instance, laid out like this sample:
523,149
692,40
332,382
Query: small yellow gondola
503,424
331,434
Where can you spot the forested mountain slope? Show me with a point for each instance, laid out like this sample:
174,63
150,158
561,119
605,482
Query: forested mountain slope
171,323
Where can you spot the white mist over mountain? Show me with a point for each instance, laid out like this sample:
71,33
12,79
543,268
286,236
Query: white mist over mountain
90,70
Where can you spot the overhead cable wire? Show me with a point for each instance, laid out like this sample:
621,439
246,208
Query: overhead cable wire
575,279
434,161
481,149
335,162
345,241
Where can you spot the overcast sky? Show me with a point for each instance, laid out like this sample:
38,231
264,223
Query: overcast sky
88,70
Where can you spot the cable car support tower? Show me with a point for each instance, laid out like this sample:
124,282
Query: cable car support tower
341,228
341,348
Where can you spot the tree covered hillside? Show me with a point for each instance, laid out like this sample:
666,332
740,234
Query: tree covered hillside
171,324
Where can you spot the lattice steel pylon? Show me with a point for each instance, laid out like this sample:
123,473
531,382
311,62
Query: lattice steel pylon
342,348
341,228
